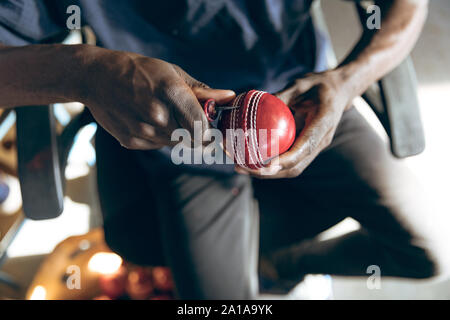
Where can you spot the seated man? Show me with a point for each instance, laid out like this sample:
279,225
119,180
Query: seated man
211,223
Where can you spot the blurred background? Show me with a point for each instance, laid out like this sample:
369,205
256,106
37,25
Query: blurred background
31,258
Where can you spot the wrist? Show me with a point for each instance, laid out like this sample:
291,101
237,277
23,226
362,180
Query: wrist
83,82
60,73
355,77
100,71
345,87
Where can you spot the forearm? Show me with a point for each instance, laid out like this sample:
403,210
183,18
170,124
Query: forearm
377,53
41,74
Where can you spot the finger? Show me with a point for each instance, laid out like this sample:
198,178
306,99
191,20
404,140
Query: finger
302,165
187,78
291,95
286,95
151,133
136,127
294,156
291,164
134,143
202,91
306,144
187,110
219,95
265,171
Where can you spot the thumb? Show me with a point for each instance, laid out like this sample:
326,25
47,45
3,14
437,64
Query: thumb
295,92
202,91
220,96
286,95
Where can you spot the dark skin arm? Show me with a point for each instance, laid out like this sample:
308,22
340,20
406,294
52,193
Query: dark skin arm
139,100
319,100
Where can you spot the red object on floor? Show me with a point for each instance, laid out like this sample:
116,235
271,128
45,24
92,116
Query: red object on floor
140,284
104,297
113,285
259,129
161,297
162,279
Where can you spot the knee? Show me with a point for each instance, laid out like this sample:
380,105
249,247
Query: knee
437,265
429,261
415,259
425,269
117,244
114,243
134,246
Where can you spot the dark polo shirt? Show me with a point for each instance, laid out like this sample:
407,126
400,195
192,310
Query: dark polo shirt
229,44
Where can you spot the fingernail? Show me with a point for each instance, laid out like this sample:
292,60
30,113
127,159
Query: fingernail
229,93
241,171
274,166
271,170
277,168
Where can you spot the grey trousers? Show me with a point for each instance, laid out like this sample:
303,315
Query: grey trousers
210,227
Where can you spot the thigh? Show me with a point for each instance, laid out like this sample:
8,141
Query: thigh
363,180
210,234
293,210
203,225
389,202
290,213
378,190
356,176
127,201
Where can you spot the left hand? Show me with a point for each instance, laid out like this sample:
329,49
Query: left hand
318,101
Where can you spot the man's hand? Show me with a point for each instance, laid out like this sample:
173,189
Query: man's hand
141,101
317,101
320,99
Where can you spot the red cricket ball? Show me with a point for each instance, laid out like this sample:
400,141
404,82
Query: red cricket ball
162,279
140,284
260,128
113,285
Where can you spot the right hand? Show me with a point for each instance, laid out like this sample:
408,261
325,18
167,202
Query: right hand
141,100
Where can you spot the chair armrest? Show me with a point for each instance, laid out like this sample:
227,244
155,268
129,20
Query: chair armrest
38,165
393,99
399,94
395,102
42,154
